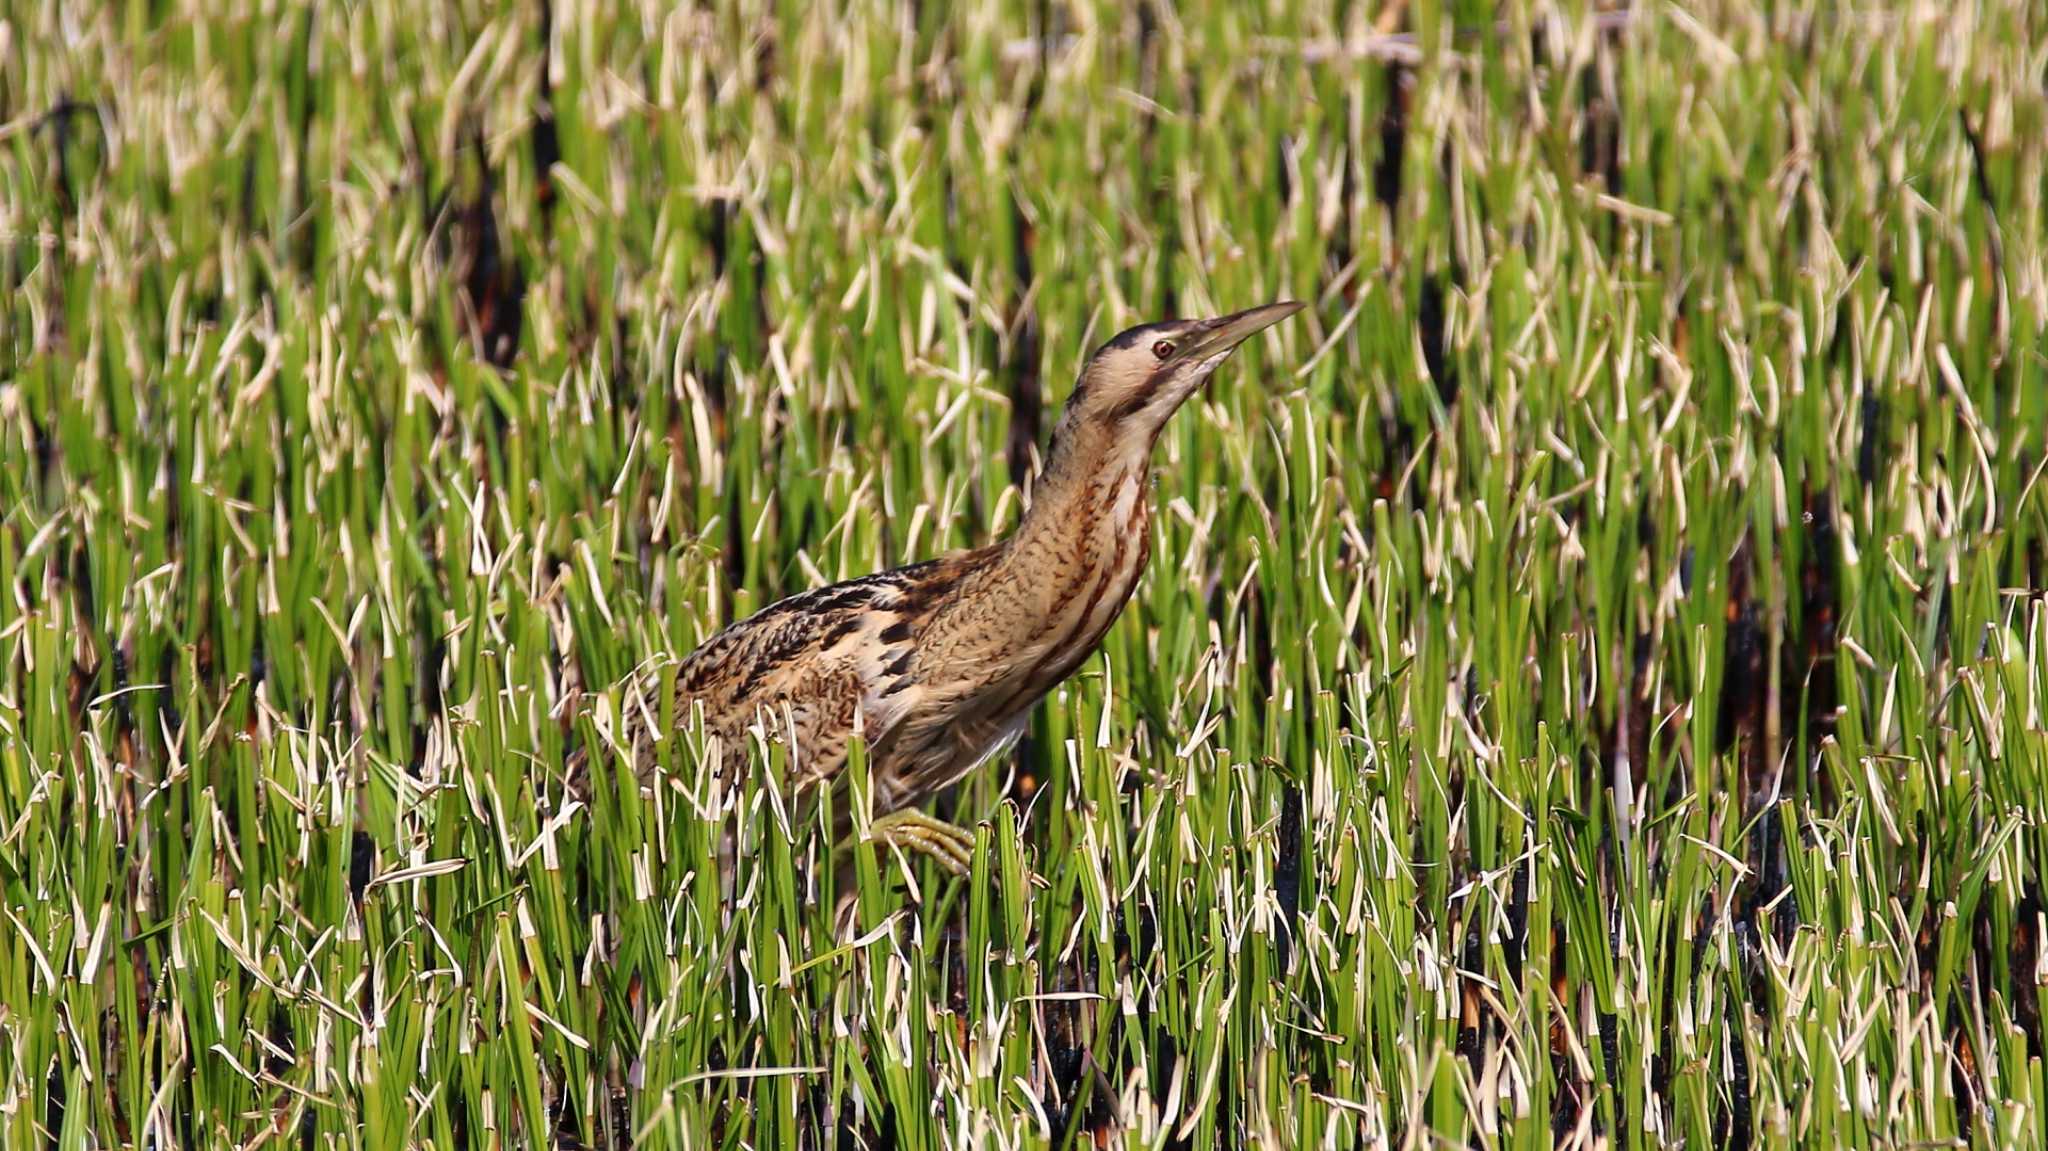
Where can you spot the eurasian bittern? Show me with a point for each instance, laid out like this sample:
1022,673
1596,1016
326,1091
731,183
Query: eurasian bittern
943,660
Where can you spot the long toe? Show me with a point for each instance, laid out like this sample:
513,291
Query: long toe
951,847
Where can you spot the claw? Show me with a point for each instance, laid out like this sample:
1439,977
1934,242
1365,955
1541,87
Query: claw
949,846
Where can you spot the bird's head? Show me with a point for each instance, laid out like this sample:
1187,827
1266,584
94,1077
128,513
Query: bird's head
1134,383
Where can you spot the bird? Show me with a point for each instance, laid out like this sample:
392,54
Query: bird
939,664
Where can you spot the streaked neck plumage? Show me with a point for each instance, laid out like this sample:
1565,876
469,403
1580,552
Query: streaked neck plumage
1076,559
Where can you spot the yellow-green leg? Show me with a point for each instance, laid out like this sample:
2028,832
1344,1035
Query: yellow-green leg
950,846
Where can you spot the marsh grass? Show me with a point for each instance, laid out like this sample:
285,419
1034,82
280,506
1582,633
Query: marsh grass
1588,687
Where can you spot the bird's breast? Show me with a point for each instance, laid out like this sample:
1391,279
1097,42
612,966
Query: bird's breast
1018,627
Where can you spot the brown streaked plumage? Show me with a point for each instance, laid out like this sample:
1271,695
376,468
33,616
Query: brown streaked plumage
944,660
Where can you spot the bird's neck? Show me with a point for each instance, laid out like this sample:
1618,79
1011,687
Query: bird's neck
1075,560
1091,492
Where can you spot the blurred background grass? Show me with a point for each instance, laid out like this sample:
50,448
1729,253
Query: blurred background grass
1588,688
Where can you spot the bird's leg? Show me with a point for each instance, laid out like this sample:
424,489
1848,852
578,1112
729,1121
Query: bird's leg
950,846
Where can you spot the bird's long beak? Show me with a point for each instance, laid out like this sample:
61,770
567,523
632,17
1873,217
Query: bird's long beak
1226,332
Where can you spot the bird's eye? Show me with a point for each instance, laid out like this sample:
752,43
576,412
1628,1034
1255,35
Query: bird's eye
1163,349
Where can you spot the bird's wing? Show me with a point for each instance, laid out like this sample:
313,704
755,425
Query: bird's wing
822,655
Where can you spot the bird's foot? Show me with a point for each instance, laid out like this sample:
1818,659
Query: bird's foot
948,845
